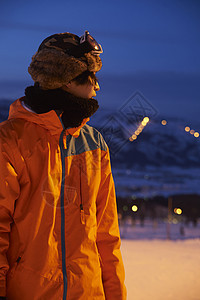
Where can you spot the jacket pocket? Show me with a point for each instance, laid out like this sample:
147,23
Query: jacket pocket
27,284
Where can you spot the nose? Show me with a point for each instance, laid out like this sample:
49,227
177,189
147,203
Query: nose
97,87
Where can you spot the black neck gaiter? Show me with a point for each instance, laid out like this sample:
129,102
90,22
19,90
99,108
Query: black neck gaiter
74,109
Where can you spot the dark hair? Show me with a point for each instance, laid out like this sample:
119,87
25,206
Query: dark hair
86,77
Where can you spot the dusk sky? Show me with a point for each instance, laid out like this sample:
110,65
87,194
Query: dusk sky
150,46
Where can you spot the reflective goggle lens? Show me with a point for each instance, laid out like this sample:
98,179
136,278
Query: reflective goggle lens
94,46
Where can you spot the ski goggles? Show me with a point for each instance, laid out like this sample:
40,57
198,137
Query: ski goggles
89,44
72,44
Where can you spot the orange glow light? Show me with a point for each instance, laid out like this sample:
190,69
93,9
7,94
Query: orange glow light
196,134
178,211
187,128
164,122
192,131
132,138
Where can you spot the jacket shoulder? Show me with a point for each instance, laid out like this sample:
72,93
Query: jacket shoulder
9,128
6,129
95,135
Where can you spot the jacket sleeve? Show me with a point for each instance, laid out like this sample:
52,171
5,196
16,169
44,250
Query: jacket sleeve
9,192
108,236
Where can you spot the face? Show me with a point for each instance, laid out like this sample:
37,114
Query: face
87,90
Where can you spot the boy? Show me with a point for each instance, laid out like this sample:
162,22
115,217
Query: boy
59,236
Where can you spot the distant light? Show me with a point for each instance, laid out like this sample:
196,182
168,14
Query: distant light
133,137
164,122
175,221
139,129
119,216
144,123
134,208
196,134
192,131
187,129
137,132
125,208
146,119
178,211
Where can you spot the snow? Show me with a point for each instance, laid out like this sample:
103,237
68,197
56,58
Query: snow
164,270
159,268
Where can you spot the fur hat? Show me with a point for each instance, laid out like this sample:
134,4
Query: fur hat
58,61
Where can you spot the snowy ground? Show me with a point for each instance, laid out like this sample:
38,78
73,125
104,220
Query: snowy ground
161,269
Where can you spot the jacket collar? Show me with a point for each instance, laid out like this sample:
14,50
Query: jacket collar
49,120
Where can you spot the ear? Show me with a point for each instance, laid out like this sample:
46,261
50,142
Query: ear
68,85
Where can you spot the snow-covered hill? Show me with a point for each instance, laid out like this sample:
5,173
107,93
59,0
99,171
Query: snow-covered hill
156,145
163,160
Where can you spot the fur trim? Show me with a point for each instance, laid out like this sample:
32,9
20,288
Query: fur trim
53,68
94,62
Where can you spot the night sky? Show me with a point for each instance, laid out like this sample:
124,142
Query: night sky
149,46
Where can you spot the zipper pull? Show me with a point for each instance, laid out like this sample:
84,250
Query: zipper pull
82,214
18,259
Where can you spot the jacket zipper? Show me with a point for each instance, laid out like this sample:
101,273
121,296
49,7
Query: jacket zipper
18,259
81,205
63,146
63,217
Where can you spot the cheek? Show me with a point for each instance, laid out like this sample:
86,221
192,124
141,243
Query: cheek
88,92
85,91
92,89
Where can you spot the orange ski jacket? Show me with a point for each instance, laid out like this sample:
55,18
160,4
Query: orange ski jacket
59,234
